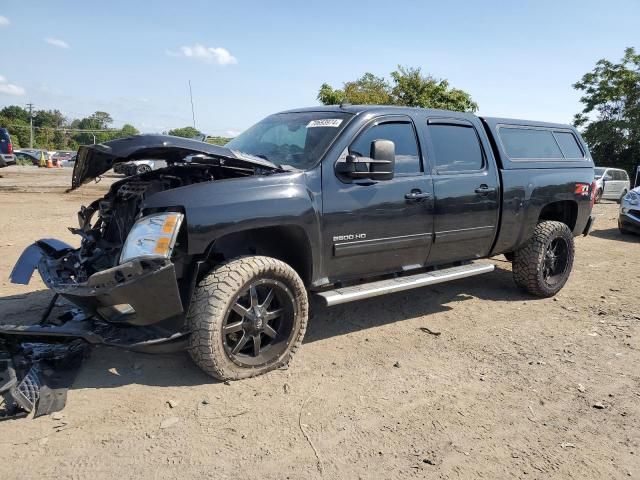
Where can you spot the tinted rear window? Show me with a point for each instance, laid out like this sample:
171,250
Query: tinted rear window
4,134
529,143
568,144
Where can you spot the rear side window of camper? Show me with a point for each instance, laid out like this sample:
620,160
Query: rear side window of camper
527,143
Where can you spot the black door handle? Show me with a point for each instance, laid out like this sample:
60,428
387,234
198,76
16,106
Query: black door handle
416,195
484,190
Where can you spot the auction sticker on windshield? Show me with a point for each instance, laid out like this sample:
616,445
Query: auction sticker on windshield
325,122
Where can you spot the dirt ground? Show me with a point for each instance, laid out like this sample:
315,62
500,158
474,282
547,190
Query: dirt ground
513,387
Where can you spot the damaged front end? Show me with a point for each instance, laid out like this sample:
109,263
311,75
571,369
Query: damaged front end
133,266
130,281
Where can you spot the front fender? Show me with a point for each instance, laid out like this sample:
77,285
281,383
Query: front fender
215,209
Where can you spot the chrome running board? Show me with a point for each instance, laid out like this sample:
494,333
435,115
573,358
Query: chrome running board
398,284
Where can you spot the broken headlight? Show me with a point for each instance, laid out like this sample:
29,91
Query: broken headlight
152,236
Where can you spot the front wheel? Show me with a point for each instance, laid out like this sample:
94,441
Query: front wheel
247,317
543,265
140,169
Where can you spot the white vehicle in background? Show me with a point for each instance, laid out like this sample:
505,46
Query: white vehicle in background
138,167
611,183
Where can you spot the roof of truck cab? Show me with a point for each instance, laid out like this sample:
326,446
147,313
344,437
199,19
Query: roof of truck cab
379,109
391,109
528,123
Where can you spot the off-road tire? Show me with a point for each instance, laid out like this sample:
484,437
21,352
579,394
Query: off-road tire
140,169
528,264
213,298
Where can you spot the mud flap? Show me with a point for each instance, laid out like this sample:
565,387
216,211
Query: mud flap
35,377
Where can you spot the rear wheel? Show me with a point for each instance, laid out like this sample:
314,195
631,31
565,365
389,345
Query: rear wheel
543,265
248,316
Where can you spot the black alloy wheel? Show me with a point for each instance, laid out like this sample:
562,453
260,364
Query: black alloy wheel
556,261
259,324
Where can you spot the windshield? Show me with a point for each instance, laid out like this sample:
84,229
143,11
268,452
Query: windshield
597,172
294,139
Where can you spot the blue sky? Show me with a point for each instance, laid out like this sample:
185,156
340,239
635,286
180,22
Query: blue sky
247,59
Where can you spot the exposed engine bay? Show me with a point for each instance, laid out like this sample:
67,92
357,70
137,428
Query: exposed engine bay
106,222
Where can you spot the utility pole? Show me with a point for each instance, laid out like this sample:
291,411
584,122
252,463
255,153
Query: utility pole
193,114
30,107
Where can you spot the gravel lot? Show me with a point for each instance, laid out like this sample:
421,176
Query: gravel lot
513,387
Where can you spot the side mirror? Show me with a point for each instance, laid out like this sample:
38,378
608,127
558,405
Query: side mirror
607,177
380,166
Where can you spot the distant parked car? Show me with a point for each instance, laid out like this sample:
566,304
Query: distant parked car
6,149
33,153
71,161
62,156
611,183
138,167
25,156
629,218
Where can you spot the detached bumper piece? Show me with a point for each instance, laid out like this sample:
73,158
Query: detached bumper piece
138,292
125,306
34,377
38,363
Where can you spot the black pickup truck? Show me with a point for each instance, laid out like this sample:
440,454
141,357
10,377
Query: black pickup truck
219,251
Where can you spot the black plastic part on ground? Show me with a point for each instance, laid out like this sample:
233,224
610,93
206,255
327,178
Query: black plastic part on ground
35,377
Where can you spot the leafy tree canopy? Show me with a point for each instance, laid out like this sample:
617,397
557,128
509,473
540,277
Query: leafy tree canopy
408,87
186,132
218,140
610,119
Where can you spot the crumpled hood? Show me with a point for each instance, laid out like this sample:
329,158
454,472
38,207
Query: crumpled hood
94,160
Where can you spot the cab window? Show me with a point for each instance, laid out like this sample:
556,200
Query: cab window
456,148
402,135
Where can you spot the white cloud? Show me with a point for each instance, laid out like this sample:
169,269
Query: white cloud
9,88
56,42
232,133
218,55
4,21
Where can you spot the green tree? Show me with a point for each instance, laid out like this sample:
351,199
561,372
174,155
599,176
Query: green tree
218,140
186,132
610,119
408,87
413,89
49,118
128,130
15,113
